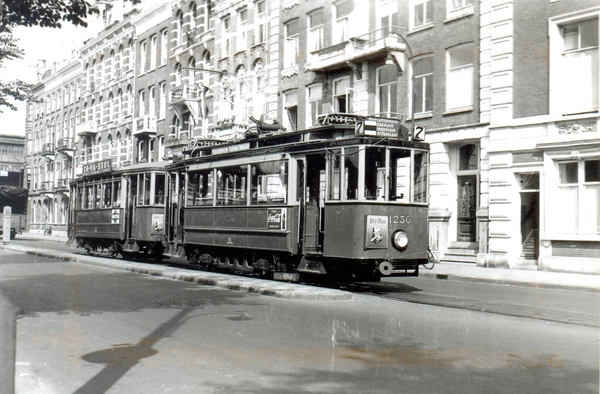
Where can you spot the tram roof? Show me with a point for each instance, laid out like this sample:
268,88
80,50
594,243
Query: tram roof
319,137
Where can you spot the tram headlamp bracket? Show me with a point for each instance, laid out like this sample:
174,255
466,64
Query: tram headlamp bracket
400,240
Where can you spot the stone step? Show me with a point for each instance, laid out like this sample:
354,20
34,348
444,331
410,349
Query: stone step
468,252
460,258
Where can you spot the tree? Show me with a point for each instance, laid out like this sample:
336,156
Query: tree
43,13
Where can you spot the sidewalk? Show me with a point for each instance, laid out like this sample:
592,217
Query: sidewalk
468,272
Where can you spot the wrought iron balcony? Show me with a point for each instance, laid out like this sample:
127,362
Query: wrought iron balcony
145,125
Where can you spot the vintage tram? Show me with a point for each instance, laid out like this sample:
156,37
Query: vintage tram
119,211
347,200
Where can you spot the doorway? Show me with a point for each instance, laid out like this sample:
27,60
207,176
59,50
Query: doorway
530,214
467,193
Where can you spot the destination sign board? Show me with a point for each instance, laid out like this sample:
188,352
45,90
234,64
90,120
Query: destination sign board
380,127
230,148
96,167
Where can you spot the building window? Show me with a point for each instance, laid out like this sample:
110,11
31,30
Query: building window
152,101
422,13
162,109
423,85
341,99
242,40
261,22
142,103
153,49
315,32
577,197
342,11
387,90
226,45
143,56
290,105
387,11
581,68
179,29
164,51
314,107
290,51
460,77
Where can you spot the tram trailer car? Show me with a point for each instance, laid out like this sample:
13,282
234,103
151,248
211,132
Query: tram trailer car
119,212
277,205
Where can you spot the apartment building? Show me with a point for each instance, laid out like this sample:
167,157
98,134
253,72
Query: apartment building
51,124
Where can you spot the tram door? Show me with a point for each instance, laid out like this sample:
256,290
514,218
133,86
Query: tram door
314,197
131,203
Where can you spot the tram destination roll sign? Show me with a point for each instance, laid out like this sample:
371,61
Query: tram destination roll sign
380,127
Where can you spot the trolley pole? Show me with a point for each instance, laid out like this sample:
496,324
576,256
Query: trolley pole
8,346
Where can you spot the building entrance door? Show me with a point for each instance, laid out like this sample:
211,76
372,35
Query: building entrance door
530,215
467,208
467,193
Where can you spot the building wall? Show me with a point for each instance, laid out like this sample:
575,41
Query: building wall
534,133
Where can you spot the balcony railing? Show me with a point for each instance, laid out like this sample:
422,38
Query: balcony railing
185,92
145,125
87,128
62,184
47,149
65,144
47,186
374,44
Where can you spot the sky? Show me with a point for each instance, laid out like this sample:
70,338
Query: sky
52,45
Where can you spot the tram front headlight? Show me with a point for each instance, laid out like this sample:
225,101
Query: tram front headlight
400,240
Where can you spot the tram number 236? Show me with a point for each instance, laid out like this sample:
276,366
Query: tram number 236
399,219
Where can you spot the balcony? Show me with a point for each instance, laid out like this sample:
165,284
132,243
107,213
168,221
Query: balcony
47,149
145,125
47,186
373,45
185,92
87,129
65,144
62,184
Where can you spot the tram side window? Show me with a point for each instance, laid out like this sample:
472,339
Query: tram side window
399,175
88,196
147,189
98,195
334,160
79,198
351,173
420,177
199,188
375,174
231,183
159,189
116,200
269,182
107,195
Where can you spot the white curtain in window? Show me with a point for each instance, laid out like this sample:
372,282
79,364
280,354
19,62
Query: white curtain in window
589,201
581,81
567,204
459,88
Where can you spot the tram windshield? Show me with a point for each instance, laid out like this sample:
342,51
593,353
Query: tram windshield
388,174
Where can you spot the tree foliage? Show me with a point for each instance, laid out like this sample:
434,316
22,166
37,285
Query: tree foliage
42,13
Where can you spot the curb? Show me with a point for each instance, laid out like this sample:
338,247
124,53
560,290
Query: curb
283,290
501,281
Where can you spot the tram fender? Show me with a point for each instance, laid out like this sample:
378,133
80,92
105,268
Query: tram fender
131,246
311,267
